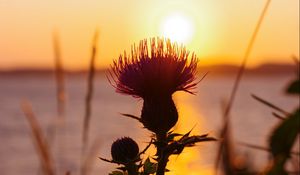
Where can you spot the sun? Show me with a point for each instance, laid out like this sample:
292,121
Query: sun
177,27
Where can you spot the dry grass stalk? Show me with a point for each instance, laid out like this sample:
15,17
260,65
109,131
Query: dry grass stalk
60,78
243,65
296,60
88,162
265,102
88,103
225,152
245,58
253,146
90,91
40,142
57,129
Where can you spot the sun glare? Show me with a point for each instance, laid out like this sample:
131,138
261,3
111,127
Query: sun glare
178,28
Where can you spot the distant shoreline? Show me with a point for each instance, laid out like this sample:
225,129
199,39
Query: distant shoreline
265,69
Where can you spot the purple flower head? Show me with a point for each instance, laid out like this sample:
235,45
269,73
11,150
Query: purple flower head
163,70
154,76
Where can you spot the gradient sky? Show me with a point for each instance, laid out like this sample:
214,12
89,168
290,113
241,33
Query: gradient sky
221,29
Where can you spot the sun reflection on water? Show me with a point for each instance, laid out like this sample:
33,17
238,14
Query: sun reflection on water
189,162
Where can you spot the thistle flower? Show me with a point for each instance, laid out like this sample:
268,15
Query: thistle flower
154,76
124,150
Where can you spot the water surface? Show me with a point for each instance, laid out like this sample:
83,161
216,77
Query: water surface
251,121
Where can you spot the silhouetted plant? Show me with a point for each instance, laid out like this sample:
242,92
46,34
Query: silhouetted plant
285,134
154,76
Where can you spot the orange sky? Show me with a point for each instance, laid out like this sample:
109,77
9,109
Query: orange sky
221,29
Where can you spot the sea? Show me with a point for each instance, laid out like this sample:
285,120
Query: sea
251,122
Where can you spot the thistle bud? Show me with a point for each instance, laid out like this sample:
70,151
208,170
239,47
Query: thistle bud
124,150
159,115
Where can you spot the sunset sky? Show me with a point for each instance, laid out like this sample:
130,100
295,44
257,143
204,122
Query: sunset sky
216,30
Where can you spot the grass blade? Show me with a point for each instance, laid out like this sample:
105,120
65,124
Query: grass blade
245,58
87,164
225,152
88,102
59,76
40,142
90,91
278,116
263,148
269,104
243,66
58,128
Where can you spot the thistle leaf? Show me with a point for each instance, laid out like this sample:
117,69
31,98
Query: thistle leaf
131,116
294,87
149,167
116,173
282,140
171,137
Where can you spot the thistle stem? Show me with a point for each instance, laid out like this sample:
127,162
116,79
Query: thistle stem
162,164
163,156
132,169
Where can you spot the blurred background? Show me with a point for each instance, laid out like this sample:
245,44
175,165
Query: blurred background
217,31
